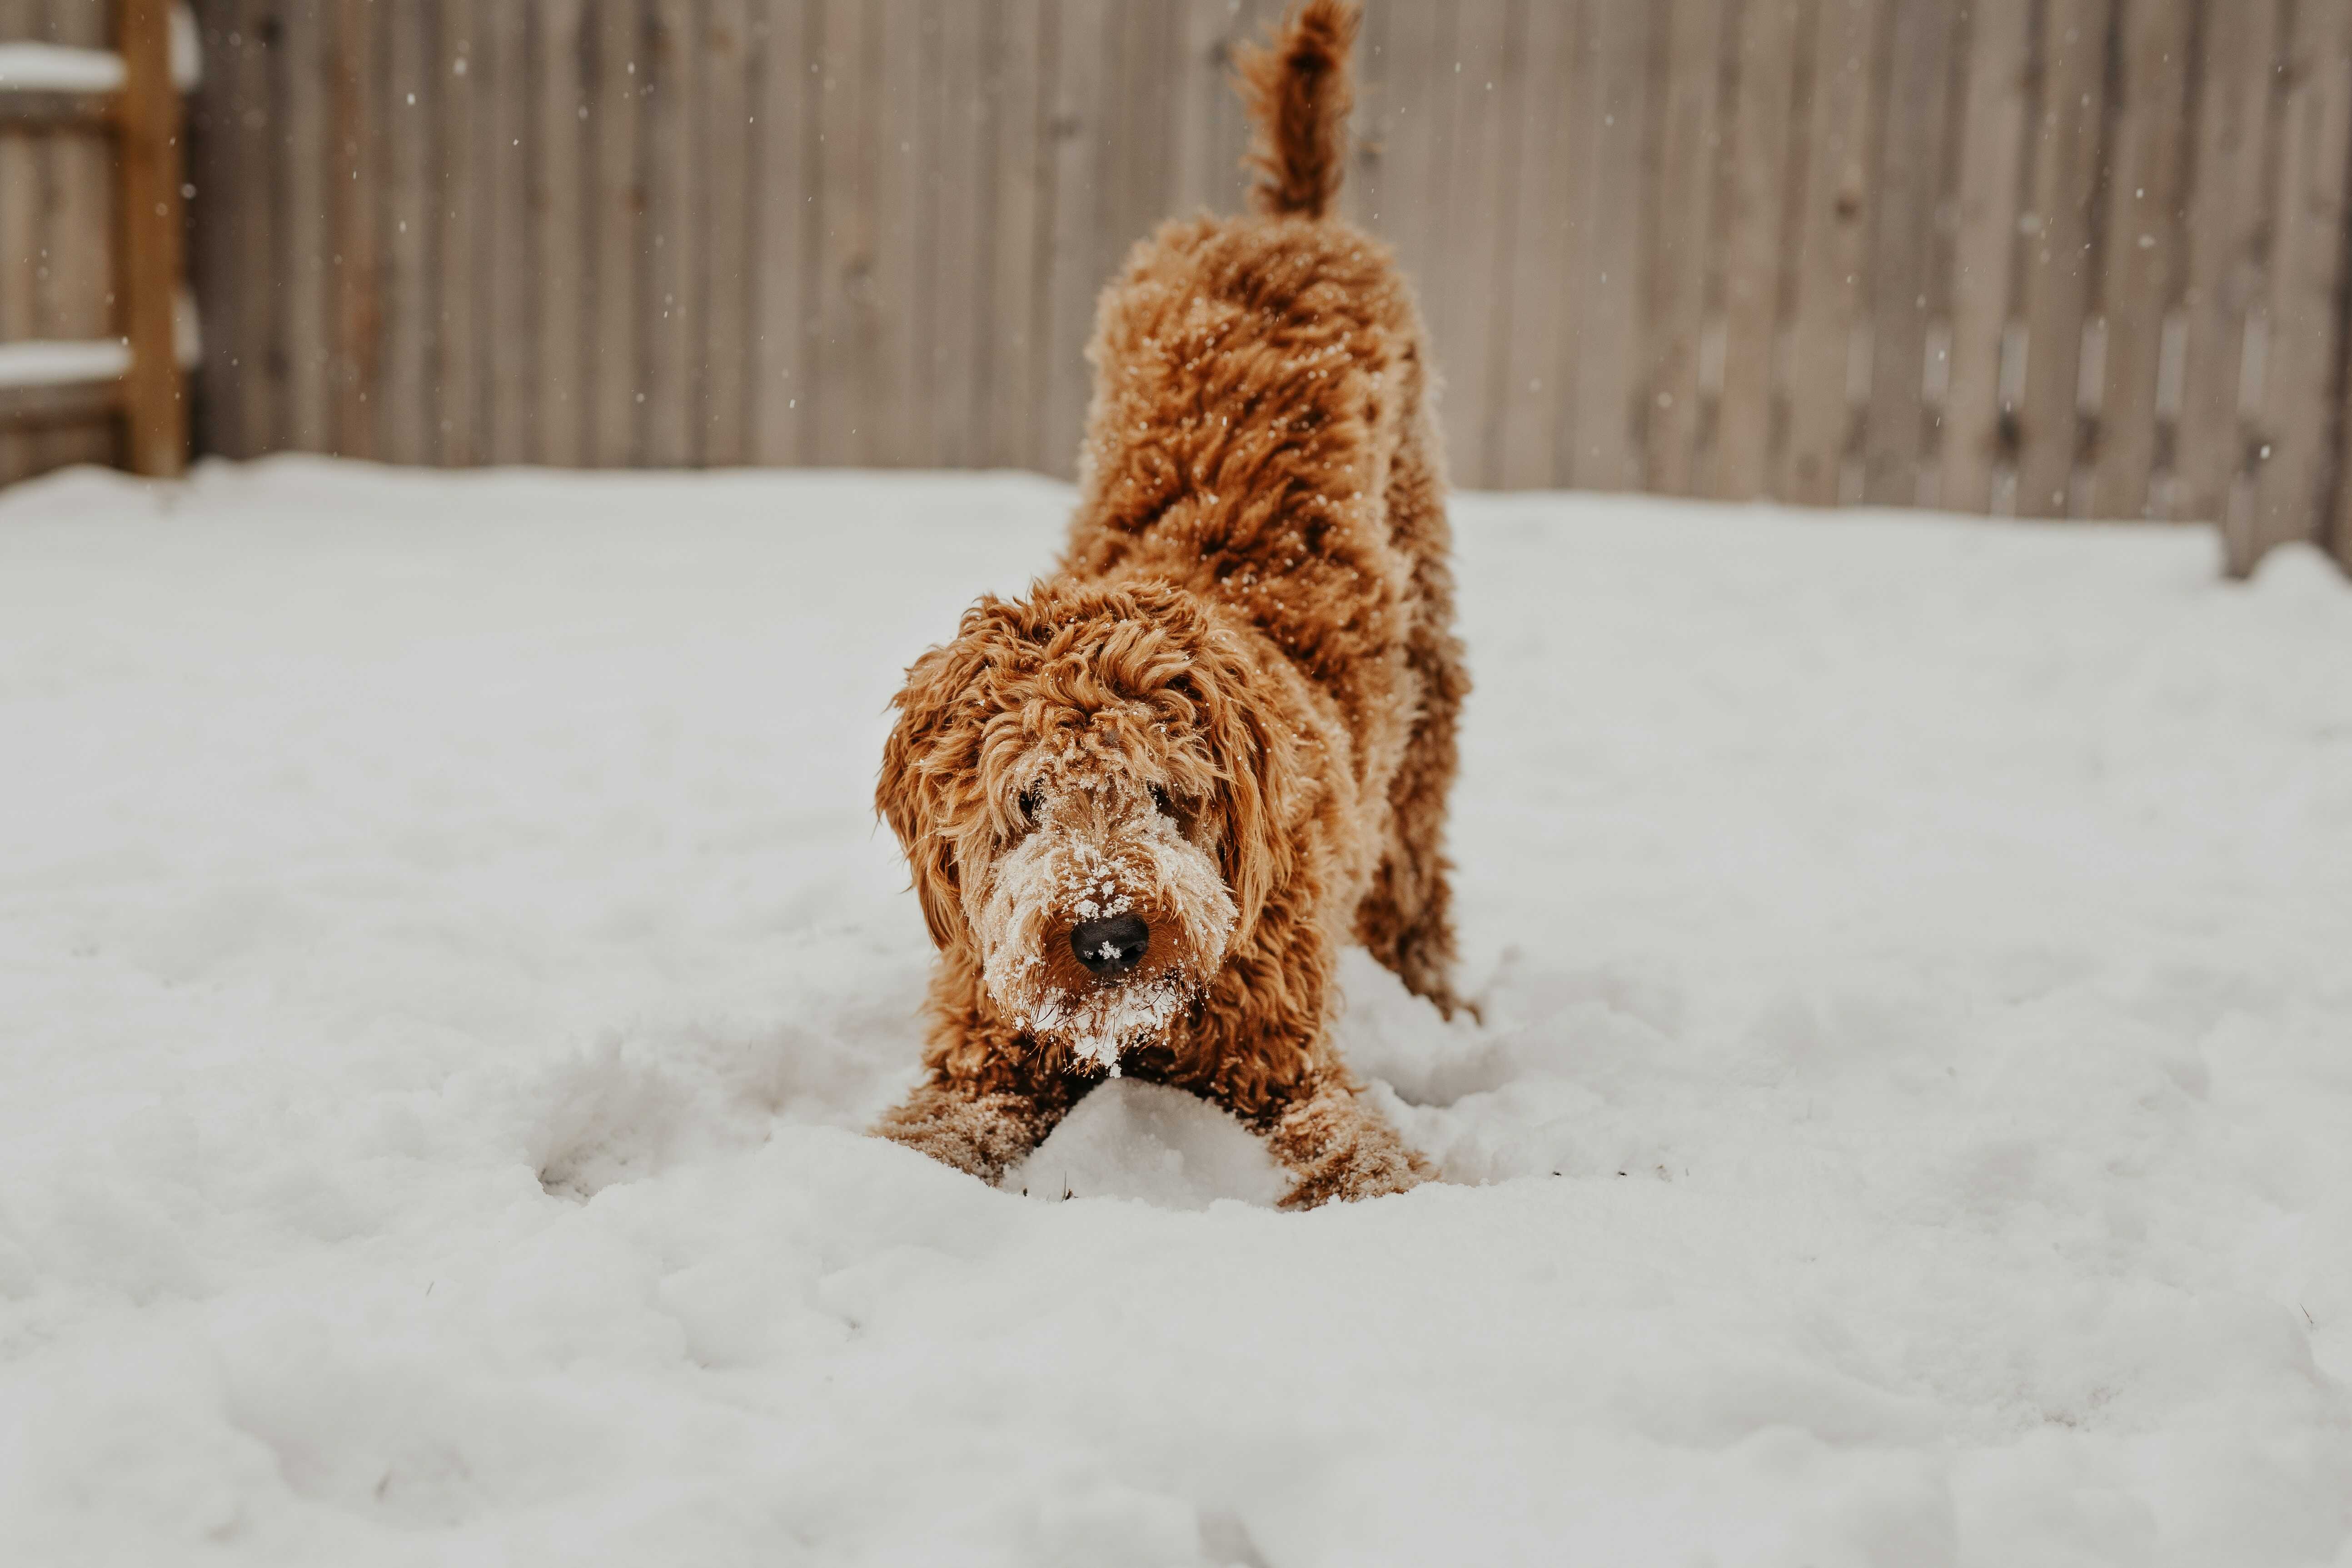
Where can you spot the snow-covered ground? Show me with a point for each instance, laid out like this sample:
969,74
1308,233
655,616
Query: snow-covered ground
445,958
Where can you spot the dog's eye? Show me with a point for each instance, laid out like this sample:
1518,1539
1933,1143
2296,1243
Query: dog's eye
1160,799
1032,802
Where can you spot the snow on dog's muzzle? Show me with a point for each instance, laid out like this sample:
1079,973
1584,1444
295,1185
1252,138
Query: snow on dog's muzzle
1097,928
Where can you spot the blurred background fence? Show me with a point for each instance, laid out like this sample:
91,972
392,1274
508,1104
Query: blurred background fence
2053,257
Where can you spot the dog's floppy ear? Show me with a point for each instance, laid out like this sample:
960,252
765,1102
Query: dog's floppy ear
915,793
1258,795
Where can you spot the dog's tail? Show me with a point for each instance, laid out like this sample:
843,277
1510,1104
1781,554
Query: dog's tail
1299,92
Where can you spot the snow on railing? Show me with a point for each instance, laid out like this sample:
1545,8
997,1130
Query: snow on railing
56,68
66,379
56,362
47,364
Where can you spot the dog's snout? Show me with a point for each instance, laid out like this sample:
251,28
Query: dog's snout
1109,948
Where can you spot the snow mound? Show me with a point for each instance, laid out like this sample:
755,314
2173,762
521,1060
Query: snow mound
1153,1144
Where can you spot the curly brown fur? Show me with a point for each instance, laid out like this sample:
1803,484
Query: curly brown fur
1299,95
1229,715
1341,1149
985,1134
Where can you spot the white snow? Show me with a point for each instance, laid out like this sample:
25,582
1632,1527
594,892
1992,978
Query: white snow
48,363
1147,1141
71,361
446,956
27,67
58,68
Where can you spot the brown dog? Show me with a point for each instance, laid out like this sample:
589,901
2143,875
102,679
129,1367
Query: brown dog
1146,804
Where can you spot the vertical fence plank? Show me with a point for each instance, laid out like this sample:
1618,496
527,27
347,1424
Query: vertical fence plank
1007,376
1416,65
2142,264
1751,220
678,170
672,180
505,282
784,93
359,310
79,276
1439,165
1904,250
453,388
1992,136
1419,107
1505,224
894,416
1396,117
261,345
906,128
1127,166
1545,201
1583,118
1469,221
219,144
1138,122
232,404
78,222
729,205
398,48
563,252
2059,252
2296,423
1682,212
963,239
619,217
1203,42
843,318
2225,248
1604,446
405,39
154,393
1199,43
302,165
1832,249
1077,128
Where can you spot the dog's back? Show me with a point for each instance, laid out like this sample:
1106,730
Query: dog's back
1262,434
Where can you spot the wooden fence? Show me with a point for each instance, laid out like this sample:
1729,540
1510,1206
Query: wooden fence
2059,257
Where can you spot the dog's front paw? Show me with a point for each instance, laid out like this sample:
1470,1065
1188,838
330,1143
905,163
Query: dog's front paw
984,1134
1341,1149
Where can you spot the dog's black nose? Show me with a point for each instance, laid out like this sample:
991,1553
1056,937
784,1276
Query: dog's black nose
1112,947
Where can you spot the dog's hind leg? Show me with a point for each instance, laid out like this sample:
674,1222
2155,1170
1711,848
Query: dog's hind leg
1406,919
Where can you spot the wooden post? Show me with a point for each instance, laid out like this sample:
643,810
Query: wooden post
154,396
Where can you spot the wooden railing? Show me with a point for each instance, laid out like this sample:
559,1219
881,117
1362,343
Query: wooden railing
89,327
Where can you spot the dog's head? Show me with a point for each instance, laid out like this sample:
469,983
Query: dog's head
1092,797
